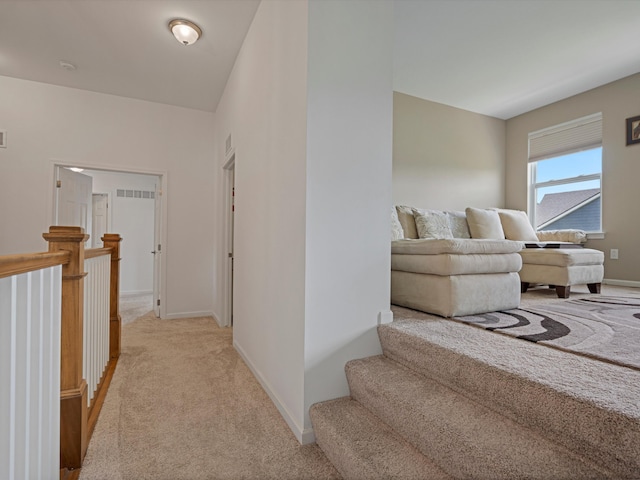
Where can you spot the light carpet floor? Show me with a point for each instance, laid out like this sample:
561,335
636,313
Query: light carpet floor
135,306
183,405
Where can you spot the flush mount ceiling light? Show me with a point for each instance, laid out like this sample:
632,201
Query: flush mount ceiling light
186,32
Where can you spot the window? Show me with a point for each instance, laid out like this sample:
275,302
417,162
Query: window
565,172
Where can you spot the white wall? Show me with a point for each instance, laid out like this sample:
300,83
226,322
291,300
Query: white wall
133,219
264,109
47,124
349,151
313,190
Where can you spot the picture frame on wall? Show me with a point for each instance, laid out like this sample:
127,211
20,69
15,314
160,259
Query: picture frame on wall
633,130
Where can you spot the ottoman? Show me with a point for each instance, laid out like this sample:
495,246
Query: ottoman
561,268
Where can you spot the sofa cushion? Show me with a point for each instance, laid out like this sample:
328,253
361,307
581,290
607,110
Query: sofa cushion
516,226
484,223
566,235
451,264
459,246
562,257
458,224
405,215
397,233
432,224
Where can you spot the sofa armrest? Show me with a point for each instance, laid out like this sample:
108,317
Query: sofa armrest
567,235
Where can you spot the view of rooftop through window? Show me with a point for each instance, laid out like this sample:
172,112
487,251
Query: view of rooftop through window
567,191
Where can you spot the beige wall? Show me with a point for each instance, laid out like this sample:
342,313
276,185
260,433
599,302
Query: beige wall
446,158
620,166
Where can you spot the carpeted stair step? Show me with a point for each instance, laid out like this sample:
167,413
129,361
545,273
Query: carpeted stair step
360,446
464,438
586,405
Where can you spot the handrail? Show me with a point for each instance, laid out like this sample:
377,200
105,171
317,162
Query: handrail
97,252
66,249
29,262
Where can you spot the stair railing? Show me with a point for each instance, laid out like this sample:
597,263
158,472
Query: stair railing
54,334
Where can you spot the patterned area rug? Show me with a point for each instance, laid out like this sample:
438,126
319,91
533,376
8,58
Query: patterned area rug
602,327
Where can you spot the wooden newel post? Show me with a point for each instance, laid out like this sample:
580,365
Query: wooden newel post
73,387
112,241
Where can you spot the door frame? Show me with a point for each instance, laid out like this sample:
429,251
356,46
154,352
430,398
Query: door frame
229,182
160,273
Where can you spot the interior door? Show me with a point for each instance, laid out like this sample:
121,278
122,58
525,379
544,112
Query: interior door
74,203
99,219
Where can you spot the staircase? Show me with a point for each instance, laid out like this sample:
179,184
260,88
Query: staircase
447,400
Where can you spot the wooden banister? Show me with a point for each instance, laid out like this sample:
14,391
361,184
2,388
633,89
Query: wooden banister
112,242
66,248
23,263
96,252
73,388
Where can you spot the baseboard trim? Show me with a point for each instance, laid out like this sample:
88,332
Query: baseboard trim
304,436
175,316
621,283
132,293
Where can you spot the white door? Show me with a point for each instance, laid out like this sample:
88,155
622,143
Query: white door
99,219
74,200
157,249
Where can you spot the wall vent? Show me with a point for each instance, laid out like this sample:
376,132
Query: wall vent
121,192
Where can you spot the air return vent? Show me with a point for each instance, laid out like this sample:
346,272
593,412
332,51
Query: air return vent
121,192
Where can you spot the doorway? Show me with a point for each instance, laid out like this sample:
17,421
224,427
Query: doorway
229,168
130,204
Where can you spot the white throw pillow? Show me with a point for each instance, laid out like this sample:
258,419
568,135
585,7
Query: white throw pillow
396,228
405,215
484,223
516,226
458,224
432,224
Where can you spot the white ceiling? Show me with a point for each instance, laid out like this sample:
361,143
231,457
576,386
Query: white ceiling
496,57
124,47
506,57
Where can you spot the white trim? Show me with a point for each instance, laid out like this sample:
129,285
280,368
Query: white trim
595,235
176,316
132,293
304,436
227,287
621,283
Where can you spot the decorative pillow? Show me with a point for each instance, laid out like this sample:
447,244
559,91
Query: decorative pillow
516,226
484,223
458,224
396,228
432,224
405,215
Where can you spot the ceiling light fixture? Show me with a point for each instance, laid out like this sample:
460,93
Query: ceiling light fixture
186,32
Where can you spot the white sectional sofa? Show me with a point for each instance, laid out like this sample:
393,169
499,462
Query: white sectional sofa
446,272
453,263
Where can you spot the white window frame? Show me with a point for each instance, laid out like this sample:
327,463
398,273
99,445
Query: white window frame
578,135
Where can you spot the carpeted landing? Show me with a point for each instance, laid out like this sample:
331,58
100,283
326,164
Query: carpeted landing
183,405
449,400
